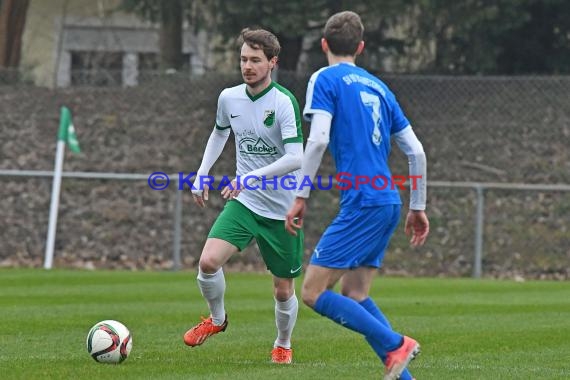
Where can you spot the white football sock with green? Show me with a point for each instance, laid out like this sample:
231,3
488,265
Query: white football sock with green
285,318
213,288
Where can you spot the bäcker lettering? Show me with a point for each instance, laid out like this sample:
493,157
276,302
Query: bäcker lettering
261,149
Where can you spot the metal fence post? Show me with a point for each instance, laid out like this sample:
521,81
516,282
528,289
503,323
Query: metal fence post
478,259
479,187
176,262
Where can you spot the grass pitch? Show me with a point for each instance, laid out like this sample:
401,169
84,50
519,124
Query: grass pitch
468,329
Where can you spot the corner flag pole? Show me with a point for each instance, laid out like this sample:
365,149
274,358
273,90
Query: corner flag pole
66,134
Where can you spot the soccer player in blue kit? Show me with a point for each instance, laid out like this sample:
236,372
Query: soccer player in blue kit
356,115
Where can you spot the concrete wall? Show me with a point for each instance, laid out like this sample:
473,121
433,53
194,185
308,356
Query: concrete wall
55,28
45,20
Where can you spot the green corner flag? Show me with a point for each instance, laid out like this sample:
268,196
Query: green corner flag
66,131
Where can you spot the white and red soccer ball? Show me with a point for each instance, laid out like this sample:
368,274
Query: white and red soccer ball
109,341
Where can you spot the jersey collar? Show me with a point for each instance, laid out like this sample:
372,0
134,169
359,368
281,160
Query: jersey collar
255,97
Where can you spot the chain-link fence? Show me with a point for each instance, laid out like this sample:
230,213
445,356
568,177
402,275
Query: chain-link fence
481,129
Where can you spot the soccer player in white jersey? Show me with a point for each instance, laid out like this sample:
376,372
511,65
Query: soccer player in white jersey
355,114
266,122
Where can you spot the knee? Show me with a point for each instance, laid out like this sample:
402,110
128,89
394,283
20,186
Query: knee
284,290
309,296
354,294
208,264
283,295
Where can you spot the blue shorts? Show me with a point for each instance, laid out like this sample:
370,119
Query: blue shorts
357,238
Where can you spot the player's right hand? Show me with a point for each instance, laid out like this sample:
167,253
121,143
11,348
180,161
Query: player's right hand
200,196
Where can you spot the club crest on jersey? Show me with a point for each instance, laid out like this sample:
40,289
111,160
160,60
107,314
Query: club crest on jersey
269,118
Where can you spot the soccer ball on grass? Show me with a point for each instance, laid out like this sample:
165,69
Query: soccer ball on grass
109,342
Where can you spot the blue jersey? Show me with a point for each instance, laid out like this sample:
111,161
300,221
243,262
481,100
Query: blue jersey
364,114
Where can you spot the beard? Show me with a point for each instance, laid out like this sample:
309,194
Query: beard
255,81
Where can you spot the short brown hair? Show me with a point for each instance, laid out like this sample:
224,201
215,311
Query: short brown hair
260,39
343,32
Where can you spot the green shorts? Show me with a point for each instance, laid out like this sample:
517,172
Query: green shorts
282,252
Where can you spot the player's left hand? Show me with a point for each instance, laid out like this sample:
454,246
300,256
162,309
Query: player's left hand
294,218
231,191
417,225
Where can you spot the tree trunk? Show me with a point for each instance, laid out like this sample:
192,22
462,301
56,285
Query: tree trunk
12,22
171,35
292,49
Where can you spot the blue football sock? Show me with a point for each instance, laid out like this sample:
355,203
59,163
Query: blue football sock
373,309
350,314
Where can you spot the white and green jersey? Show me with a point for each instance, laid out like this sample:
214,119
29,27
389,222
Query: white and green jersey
262,125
